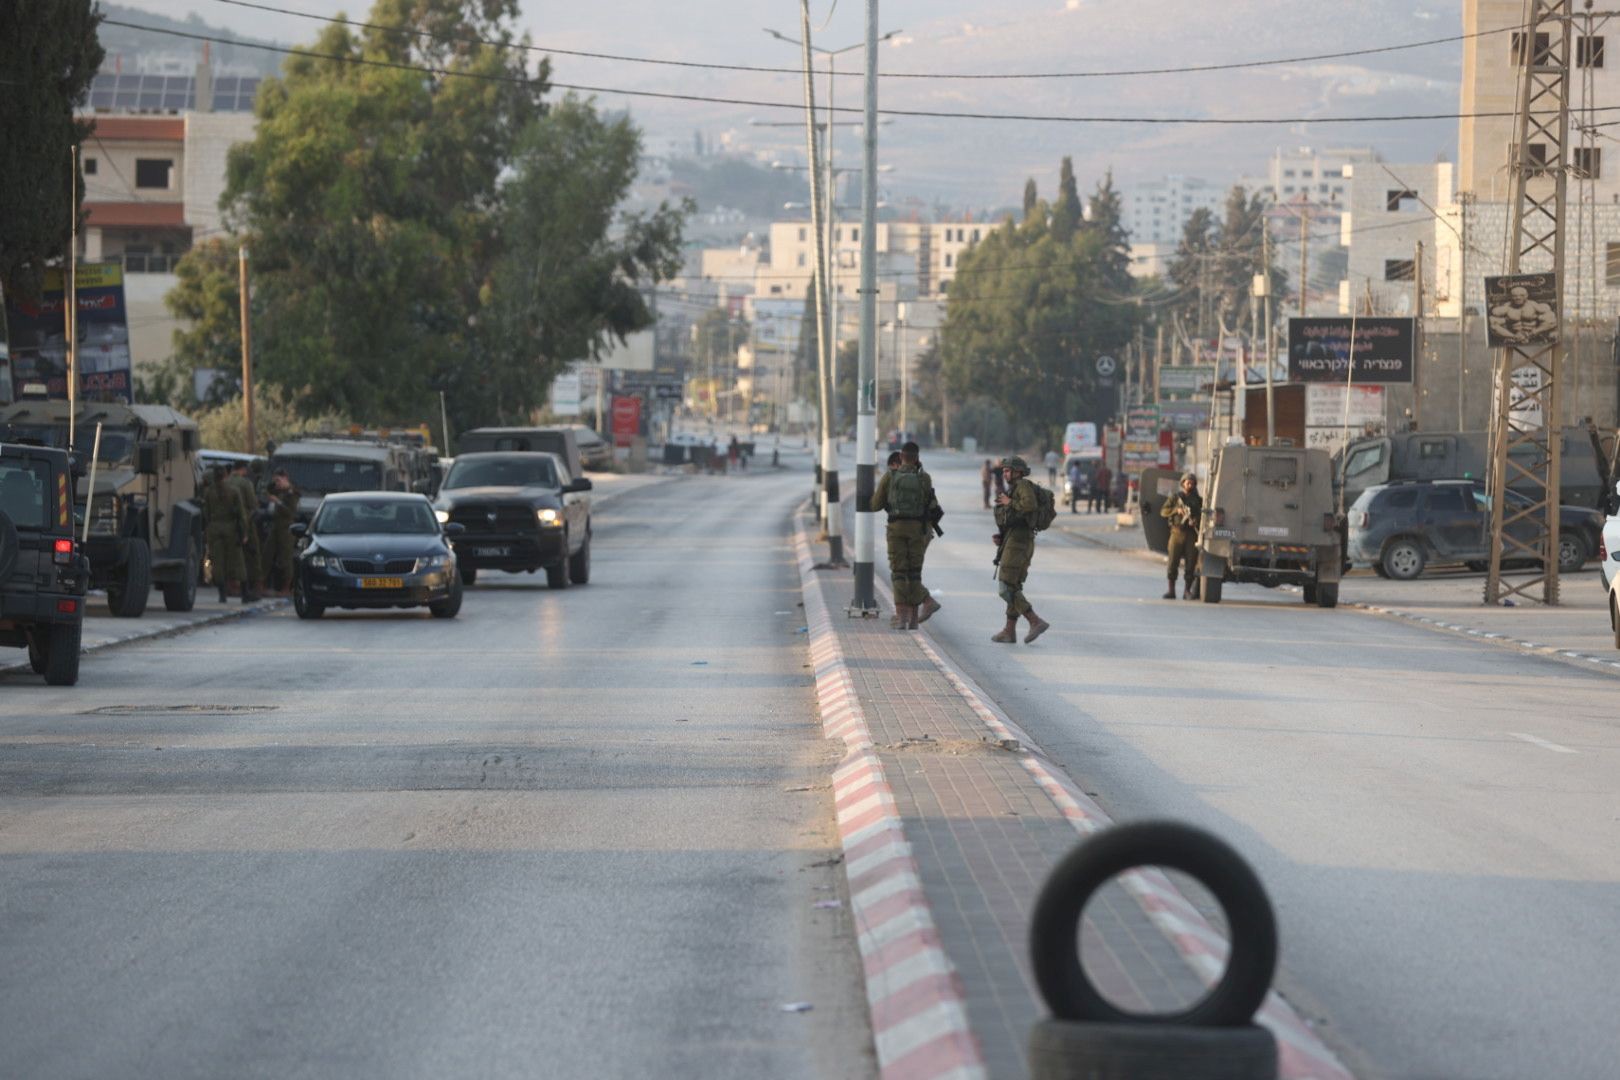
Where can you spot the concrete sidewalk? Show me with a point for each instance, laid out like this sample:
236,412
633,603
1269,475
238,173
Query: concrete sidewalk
1444,599
951,820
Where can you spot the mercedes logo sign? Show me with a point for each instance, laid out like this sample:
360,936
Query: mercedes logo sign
1106,366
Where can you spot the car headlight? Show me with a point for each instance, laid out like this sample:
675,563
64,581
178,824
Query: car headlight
433,562
326,562
443,516
548,516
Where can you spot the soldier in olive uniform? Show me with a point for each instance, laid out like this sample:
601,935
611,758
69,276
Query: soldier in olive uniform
227,533
1183,510
907,494
1016,549
249,496
277,567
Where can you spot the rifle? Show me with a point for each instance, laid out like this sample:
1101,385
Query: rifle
933,519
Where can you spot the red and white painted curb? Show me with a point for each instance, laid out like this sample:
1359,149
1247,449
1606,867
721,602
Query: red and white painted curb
919,1021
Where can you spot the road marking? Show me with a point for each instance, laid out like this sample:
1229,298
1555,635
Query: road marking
1545,744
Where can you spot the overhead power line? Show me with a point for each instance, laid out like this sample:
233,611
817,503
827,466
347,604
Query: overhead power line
926,114
929,75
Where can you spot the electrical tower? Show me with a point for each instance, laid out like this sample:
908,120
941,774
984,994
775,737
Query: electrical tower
1527,423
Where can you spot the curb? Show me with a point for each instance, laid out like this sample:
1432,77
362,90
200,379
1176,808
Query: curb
167,631
919,1022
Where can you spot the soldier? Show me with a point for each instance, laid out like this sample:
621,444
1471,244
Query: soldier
907,493
985,472
1183,510
929,605
227,533
245,491
277,566
1015,549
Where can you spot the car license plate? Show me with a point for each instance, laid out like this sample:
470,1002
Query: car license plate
382,583
492,552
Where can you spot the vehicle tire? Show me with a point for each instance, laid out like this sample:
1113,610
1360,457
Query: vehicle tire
557,575
62,653
181,594
1479,566
1403,559
1327,594
1055,922
128,598
1572,551
1614,620
579,563
9,547
1378,568
450,606
303,605
1071,1049
469,574
1309,589
36,650
1210,590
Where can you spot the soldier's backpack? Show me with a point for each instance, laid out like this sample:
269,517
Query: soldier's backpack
1045,508
908,496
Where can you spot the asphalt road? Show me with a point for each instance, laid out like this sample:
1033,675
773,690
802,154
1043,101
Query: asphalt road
571,833
1436,819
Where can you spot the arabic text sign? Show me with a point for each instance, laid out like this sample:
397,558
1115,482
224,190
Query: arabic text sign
1140,447
1319,350
1190,379
39,352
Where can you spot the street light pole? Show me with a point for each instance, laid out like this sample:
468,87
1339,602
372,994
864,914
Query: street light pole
865,601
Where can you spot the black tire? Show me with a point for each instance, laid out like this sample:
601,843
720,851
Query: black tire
1479,566
1378,568
127,599
557,576
303,605
450,606
62,642
1572,551
1309,590
579,563
1327,594
469,575
1210,593
1054,931
36,649
1403,559
1614,620
1065,1050
181,594
10,546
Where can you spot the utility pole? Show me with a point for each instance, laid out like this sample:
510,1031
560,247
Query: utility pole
905,368
247,350
1528,418
865,602
1304,252
71,308
1417,342
1462,302
1158,362
1265,261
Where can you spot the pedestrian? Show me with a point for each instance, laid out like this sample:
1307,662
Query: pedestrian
907,494
1100,489
935,513
227,522
1183,510
1077,485
1053,460
1015,549
238,482
277,566
985,472
733,452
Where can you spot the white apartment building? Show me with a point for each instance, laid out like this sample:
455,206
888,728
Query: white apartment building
1156,211
1388,213
1318,177
915,259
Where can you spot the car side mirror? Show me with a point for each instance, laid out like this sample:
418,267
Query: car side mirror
298,528
454,528
582,484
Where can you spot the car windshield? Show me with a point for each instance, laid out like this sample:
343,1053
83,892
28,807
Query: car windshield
23,487
327,476
503,472
394,516
117,444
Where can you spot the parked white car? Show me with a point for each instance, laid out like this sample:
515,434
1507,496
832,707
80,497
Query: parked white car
1609,564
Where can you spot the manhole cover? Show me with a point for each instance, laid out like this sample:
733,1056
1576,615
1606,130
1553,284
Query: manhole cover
172,710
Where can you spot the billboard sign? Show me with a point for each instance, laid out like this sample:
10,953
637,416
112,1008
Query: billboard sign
626,420
1319,350
39,352
1522,310
1187,379
565,394
1140,447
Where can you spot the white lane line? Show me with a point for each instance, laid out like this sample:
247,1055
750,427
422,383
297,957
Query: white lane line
1545,744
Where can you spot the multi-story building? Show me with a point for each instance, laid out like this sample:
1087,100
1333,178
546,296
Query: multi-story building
1389,212
1156,211
1302,174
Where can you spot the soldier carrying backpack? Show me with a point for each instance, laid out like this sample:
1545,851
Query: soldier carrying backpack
1025,509
907,494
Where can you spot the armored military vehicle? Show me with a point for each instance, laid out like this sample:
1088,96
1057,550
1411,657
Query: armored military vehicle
1268,520
146,524
42,573
326,465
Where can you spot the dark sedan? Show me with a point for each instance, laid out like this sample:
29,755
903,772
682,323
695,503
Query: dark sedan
376,549
520,511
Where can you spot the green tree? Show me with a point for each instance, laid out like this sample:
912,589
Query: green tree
1108,221
1066,211
49,54
277,417
1032,197
1200,236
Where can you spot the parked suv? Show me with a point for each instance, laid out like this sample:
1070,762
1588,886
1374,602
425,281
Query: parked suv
1400,528
42,573
520,510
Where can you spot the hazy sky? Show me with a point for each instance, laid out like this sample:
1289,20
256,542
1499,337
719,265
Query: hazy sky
984,162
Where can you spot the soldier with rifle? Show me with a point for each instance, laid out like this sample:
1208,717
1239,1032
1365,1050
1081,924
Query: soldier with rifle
907,494
1016,510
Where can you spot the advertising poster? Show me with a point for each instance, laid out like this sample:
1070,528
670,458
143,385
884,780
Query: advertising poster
1522,310
1319,350
1140,447
626,420
39,352
1334,414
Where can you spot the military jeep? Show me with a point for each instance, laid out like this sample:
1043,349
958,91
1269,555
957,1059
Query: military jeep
146,525
42,573
1269,520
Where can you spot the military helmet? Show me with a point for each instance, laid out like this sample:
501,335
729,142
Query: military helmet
1016,463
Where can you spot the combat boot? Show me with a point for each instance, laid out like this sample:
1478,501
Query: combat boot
895,621
1170,590
926,612
1009,633
902,617
1037,626
912,622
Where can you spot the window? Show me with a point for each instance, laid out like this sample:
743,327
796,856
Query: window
1449,500
1611,265
854,235
1536,158
1398,270
23,488
1589,51
1279,471
802,238
801,263
89,166
776,290
1543,48
1288,189
1429,449
944,286
1288,173
1401,499
1397,202
838,237
947,260
153,172
975,236
1588,162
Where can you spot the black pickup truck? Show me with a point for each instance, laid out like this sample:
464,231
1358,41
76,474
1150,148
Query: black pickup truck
519,510
43,574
